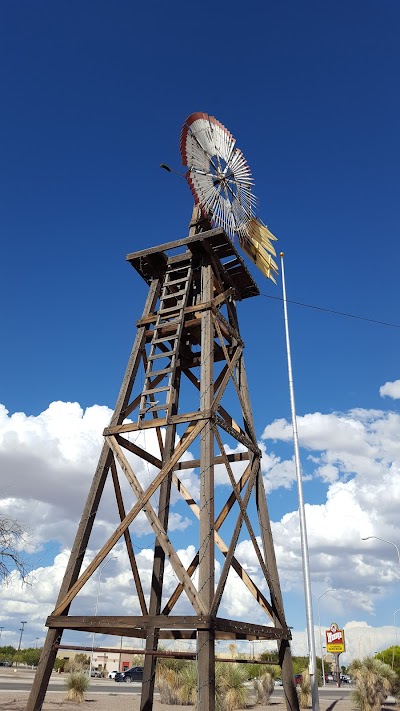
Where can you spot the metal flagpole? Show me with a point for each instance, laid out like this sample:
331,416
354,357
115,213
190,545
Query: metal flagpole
302,516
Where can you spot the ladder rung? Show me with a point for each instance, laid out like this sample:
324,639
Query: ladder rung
162,326
177,281
155,390
153,408
179,267
173,294
166,354
156,373
165,338
178,307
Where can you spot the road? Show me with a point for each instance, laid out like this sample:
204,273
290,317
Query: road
108,686
22,681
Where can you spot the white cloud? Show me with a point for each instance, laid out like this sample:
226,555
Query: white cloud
49,461
356,455
390,389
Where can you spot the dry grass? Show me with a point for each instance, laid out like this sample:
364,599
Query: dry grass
304,690
77,683
168,685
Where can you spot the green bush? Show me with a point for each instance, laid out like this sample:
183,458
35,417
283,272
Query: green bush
59,664
254,671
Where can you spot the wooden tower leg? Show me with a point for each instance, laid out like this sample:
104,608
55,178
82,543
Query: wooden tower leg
149,668
285,657
53,638
206,638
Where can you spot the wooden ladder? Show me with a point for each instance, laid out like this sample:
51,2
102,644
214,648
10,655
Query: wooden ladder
166,338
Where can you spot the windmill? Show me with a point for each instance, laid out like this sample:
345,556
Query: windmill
185,389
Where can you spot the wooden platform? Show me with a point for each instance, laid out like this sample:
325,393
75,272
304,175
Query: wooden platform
152,263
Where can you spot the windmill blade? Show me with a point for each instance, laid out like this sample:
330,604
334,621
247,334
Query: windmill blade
222,185
218,174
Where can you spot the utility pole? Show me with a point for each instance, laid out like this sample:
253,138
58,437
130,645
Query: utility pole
23,623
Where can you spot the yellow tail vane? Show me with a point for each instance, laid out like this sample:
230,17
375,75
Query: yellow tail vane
261,233
263,261
258,246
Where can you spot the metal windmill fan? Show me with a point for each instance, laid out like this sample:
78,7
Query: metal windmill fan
221,183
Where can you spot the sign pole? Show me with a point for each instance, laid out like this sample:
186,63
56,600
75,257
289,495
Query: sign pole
335,644
337,655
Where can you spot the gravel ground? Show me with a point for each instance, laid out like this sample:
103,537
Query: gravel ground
55,701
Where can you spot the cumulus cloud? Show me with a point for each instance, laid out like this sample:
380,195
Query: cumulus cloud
352,462
390,389
48,462
356,456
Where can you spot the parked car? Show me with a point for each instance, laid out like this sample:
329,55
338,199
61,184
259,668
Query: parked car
345,679
111,675
96,673
132,674
278,682
298,678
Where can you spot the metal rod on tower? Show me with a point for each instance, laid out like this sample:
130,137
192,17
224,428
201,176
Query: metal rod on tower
302,516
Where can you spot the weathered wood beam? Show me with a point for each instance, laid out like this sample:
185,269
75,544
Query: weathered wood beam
159,530
194,463
128,541
135,449
109,545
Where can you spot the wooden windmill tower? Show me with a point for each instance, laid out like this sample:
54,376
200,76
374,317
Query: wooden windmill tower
186,382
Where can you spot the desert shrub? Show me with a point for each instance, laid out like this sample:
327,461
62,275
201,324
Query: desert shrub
264,687
77,683
176,681
187,677
304,690
168,686
374,681
230,690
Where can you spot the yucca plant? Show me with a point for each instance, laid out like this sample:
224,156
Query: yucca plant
188,684
304,690
77,683
231,692
374,681
264,687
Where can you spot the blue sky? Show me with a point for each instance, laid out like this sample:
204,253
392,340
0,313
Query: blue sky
94,95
